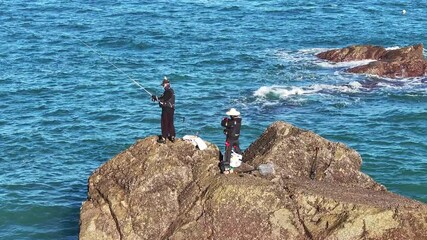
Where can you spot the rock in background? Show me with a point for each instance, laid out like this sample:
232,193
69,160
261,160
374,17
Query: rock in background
398,63
353,53
174,191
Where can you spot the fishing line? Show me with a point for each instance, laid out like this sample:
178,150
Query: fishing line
100,55
104,58
112,64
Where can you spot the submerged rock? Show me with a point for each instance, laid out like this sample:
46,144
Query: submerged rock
397,63
174,191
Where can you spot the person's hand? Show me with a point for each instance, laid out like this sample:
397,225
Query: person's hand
154,98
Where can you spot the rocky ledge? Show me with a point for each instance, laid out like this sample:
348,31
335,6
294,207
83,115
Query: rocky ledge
397,63
174,191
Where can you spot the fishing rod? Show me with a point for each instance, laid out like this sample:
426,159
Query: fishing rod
106,59
112,64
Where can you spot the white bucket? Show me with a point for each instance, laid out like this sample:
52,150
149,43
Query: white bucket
235,160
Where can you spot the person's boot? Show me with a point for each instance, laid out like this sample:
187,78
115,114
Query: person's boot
227,170
161,140
172,139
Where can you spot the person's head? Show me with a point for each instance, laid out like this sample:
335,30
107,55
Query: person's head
165,82
233,113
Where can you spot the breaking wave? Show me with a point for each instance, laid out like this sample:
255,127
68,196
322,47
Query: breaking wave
350,64
283,92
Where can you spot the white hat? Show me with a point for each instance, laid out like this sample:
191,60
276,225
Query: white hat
165,80
233,112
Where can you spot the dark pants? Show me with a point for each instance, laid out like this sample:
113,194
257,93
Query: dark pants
230,145
168,129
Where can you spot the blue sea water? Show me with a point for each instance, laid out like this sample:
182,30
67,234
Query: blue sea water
65,109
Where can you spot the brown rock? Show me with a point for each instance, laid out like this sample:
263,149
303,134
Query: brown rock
146,190
398,63
304,154
410,53
174,191
331,211
396,69
353,53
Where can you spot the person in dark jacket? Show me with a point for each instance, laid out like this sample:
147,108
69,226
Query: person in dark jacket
167,103
232,133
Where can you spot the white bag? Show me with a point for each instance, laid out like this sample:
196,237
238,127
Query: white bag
196,141
235,160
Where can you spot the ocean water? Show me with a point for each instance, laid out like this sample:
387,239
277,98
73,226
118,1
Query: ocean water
68,102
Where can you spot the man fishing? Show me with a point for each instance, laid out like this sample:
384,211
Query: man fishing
232,133
167,103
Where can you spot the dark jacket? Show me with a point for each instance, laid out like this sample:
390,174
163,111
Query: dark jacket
232,127
167,99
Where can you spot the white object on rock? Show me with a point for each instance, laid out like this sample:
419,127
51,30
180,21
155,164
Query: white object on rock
196,141
266,169
235,160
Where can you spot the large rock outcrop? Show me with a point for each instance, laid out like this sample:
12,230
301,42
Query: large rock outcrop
174,191
298,153
397,63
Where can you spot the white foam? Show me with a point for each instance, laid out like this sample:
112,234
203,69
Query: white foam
303,55
403,83
355,84
262,91
352,87
313,50
279,91
292,57
348,64
286,92
392,48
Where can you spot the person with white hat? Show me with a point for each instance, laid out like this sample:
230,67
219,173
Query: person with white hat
167,103
232,132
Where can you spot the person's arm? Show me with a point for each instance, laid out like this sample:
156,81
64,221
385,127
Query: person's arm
165,96
224,122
